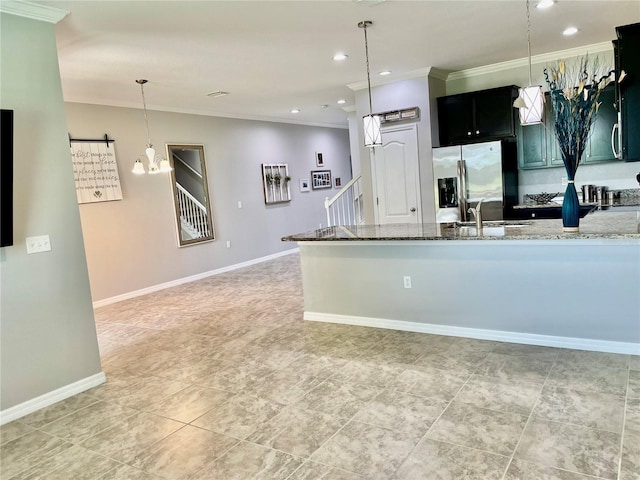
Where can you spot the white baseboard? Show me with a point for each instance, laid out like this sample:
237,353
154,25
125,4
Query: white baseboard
30,406
191,278
497,335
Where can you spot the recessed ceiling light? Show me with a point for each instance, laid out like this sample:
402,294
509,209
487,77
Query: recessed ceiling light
342,101
340,56
545,4
385,72
295,110
570,31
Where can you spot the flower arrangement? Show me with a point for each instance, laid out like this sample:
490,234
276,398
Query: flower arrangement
574,93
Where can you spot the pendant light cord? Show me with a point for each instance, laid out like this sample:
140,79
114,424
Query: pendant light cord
366,53
144,105
528,40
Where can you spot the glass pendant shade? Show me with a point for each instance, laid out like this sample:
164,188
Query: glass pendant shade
165,166
372,135
138,167
530,104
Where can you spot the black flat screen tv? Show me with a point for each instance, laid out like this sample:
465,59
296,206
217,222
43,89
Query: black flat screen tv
6,178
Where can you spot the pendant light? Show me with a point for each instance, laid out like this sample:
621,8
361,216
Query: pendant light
157,163
530,101
372,136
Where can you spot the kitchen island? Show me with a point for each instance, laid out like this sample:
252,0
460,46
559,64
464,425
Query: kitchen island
526,283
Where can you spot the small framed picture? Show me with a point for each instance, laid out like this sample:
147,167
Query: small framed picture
304,184
320,179
337,182
319,160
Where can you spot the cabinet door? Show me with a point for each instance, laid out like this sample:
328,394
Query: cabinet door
554,155
598,147
455,119
494,113
532,146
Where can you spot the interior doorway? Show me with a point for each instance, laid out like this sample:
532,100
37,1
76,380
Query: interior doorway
396,176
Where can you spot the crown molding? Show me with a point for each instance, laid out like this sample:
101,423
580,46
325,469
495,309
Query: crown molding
420,73
523,62
35,11
192,111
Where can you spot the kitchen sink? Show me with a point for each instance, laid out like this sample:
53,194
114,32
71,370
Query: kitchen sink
494,223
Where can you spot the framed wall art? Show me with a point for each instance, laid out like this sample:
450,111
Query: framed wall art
275,183
320,179
304,185
319,160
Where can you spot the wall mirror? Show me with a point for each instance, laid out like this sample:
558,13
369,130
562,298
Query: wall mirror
190,194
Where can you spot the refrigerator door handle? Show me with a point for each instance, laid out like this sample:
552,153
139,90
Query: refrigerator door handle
462,190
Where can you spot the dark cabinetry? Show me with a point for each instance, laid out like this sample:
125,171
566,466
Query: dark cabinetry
627,58
538,147
477,116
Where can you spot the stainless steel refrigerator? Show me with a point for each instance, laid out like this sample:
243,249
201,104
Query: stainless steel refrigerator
465,174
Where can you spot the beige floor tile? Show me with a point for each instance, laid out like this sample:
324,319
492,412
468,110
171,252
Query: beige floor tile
429,382
248,461
58,410
570,447
75,463
531,351
297,431
589,377
509,396
125,472
602,411
284,386
634,362
488,430
190,403
596,359
633,390
515,368
28,451
460,361
13,430
367,372
367,450
89,421
338,398
438,460
128,437
520,470
630,462
401,411
183,453
240,416
315,471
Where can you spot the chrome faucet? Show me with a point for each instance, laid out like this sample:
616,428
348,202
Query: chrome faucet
477,214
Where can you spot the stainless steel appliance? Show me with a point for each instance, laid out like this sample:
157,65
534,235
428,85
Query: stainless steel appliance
466,174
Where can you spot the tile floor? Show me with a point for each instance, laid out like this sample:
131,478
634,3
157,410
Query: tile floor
222,379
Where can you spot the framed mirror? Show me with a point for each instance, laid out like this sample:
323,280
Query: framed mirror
190,194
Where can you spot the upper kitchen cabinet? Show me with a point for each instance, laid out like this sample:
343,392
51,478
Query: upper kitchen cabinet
626,49
477,116
539,148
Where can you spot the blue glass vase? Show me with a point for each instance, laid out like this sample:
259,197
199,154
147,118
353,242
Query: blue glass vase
571,209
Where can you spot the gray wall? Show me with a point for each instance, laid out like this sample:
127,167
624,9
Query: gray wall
48,336
132,244
612,174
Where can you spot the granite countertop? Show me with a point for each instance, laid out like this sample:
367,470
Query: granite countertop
598,225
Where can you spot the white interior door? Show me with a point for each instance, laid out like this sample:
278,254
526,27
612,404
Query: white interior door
396,176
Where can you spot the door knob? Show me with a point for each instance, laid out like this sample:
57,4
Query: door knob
412,209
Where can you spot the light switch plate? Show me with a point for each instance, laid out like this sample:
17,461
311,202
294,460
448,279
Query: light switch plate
38,244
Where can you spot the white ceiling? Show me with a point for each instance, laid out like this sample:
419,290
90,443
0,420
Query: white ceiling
275,55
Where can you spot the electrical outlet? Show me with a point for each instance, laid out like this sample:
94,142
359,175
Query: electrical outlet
407,281
228,243
239,204
38,244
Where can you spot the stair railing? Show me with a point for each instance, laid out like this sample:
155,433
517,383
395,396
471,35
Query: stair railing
346,207
192,212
